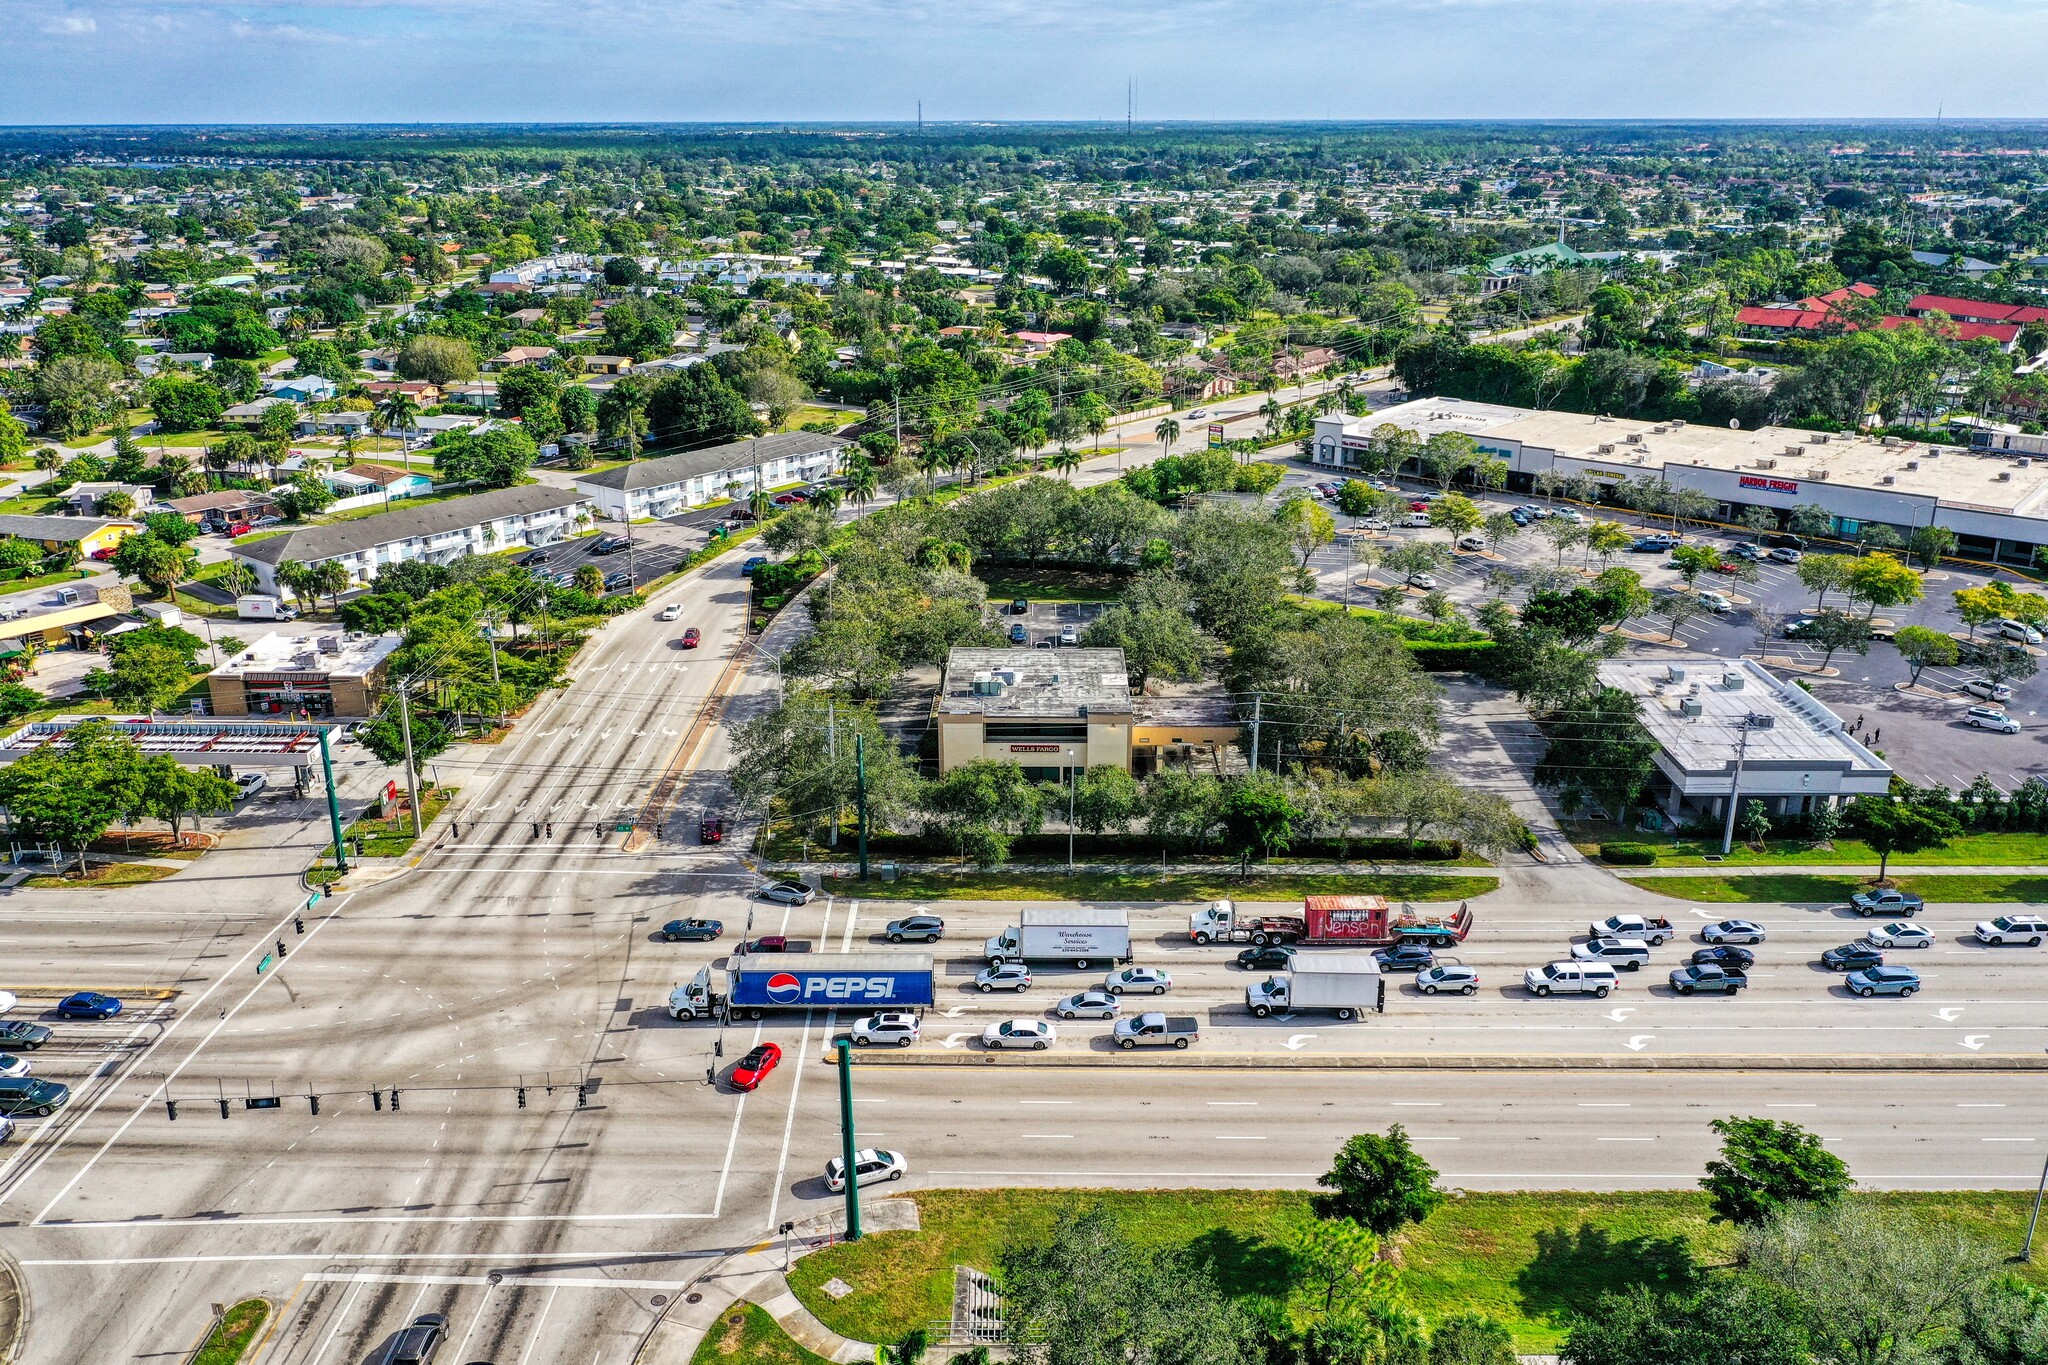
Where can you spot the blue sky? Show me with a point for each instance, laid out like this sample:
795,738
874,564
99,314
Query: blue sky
151,61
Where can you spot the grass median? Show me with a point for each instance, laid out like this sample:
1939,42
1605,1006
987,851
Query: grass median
1796,889
744,1332
230,1338
1674,850
1023,883
1530,1260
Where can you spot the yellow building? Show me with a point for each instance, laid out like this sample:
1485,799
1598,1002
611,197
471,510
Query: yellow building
90,534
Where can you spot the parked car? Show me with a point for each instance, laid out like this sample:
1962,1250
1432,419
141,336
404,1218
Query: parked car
88,1005
1035,1034
1902,934
1093,1004
417,1343
2009,629
1852,957
787,893
1655,543
753,1068
1004,976
250,785
1713,601
898,1027
1989,690
1140,979
1884,981
871,1165
926,927
618,580
1426,582
1020,606
1785,554
2027,929
1733,931
1990,718
691,930
1019,635
1069,636
1447,976
1747,551
531,558
1473,544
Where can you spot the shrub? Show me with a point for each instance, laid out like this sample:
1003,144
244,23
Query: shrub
1628,855
1436,656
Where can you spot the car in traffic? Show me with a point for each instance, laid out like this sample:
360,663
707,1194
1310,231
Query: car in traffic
1034,1034
1987,689
789,499
753,562
1272,955
418,1342
249,785
928,928
1733,931
1852,957
1708,978
1627,954
1140,979
752,1069
2027,929
12,1066
1902,934
1571,978
711,830
891,1027
27,1095
18,1034
1404,957
787,893
1091,1004
1447,976
88,1005
691,930
1992,719
692,638
871,1166
672,612
1884,981
766,943
1004,976
1723,955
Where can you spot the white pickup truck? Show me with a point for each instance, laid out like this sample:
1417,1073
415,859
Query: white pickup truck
1654,931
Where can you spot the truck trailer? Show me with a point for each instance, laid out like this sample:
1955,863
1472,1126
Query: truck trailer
1221,922
1370,921
750,985
1341,984
1079,936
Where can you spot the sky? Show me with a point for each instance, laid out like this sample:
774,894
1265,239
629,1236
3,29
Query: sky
397,61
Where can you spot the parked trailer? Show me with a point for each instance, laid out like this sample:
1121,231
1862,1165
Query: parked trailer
1341,984
1369,920
750,985
1080,937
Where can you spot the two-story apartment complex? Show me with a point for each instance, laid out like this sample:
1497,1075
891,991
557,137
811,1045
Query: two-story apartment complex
675,483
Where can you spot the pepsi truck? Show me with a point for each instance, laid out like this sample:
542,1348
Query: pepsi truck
750,985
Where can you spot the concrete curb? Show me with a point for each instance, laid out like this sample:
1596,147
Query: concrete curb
13,1310
1358,1061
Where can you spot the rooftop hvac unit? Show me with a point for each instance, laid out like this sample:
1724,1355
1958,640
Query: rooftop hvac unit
1635,438
1678,424
1912,464
1675,673
1690,707
1820,474
1888,479
2005,476
1760,720
1891,440
1819,438
1607,447
1766,464
1007,676
1791,450
2023,462
330,644
1731,680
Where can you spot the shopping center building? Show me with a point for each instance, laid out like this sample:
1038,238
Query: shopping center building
1995,501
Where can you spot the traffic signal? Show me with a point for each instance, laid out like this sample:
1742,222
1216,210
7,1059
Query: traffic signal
223,1108
582,1094
377,1100
171,1110
394,1099
314,1100
522,1097
298,924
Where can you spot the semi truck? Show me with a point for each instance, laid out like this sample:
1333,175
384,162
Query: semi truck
1369,920
1078,936
752,984
1220,922
1341,984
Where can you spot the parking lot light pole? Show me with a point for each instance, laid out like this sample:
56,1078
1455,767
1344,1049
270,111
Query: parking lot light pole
2027,1248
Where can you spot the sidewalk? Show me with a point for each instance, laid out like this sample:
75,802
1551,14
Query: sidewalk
1827,870
755,1276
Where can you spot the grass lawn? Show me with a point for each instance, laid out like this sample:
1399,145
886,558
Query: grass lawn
745,1333
1530,1260
808,413
1020,882
1795,889
102,875
181,440
1970,850
1054,585
379,509
44,580
32,504
231,1338
392,837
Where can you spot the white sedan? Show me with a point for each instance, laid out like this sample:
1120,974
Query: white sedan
871,1166
1903,934
895,1026
1089,1005
1138,979
15,1066
1733,931
1035,1034
672,612
7,1001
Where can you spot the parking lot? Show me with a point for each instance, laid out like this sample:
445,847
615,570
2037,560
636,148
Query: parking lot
1923,734
1046,624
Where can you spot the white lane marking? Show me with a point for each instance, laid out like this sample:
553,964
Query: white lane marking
1050,1137
1604,1104
1239,1137
2012,1139
516,1281
1791,1106
1624,1139
1233,1104
1045,1101
803,1048
339,1315
732,1142
852,914
538,1323
1638,1042
1415,1104
1979,1106
462,1351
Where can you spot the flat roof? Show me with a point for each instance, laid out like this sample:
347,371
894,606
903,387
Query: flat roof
190,740
1035,682
689,464
1428,416
1801,731
1950,473
327,654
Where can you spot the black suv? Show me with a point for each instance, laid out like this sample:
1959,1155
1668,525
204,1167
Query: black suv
1852,957
416,1344
1782,541
610,545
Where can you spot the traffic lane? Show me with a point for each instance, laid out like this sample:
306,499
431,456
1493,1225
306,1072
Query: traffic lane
340,1317
1501,1130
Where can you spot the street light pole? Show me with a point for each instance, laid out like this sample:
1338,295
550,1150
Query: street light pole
1073,781
412,768
2027,1248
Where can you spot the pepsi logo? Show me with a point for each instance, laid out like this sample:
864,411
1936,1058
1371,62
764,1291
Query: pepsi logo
784,988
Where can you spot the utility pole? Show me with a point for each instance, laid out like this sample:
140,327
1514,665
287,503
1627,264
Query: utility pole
333,806
896,414
832,756
497,688
1734,787
1256,700
844,1047
1073,782
2027,1248
860,787
412,769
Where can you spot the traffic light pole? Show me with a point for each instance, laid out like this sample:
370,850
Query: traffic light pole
333,804
846,1142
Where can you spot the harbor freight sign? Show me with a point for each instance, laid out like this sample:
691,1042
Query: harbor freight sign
1768,485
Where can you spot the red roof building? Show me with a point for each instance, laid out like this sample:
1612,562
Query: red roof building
2004,333
1783,319
1973,310
1821,303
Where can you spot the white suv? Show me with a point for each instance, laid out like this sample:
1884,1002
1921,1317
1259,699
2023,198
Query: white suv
1571,978
1991,718
1989,690
2019,630
2027,929
896,1026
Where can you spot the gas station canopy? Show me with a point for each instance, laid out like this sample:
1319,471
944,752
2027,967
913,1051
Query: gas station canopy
199,742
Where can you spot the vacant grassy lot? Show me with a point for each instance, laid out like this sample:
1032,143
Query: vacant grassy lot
1020,882
1795,889
1051,584
1531,1260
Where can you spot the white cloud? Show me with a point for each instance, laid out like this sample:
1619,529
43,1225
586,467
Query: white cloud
70,25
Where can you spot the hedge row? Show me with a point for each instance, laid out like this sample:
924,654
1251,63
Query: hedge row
1435,656
1142,848
1628,855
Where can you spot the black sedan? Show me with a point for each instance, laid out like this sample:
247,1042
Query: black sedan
1274,955
691,930
618,581
1723,955
1405,957
531,558
1852,957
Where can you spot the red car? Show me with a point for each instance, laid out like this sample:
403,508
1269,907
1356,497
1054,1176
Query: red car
106,553
788,499
691,638
1727,566
767,943
1418,507
751,1069
240,528
711,830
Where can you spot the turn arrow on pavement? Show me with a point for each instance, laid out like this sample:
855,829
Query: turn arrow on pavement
1639,1042
1947,1014
1296,1040
1973,1041
1621,1015
956,1039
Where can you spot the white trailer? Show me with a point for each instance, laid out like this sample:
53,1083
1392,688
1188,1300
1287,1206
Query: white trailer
1341,984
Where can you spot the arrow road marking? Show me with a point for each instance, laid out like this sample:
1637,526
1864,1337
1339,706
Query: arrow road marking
957,1011
1295,1041
1639,1042
1947,1014
1620,1015
956,1039
1706,914
1973,1041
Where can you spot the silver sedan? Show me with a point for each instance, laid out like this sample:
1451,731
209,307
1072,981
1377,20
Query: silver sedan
1089,1005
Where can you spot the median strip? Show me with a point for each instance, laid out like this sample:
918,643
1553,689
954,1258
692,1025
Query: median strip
1421,1061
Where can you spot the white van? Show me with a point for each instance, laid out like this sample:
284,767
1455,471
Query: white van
1417,519
1571,978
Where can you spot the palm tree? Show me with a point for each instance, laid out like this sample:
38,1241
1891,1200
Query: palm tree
827,498
49,459
860,482
296,578
1168,432
332,579
1066,461
397,412
1273,413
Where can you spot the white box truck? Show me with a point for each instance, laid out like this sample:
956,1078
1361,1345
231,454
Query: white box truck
1081,937
1340,984
256,606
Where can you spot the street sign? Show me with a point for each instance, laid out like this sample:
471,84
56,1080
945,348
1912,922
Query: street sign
1215,433
264,965
263,1102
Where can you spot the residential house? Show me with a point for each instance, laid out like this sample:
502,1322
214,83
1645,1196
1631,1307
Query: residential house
89,534
84,499
527,317
250,414
228,507
1038,343
334,423
477,393
607,364
1973,310
436,533
520,355
674,483
387,481
419,390
1312,360
311,388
